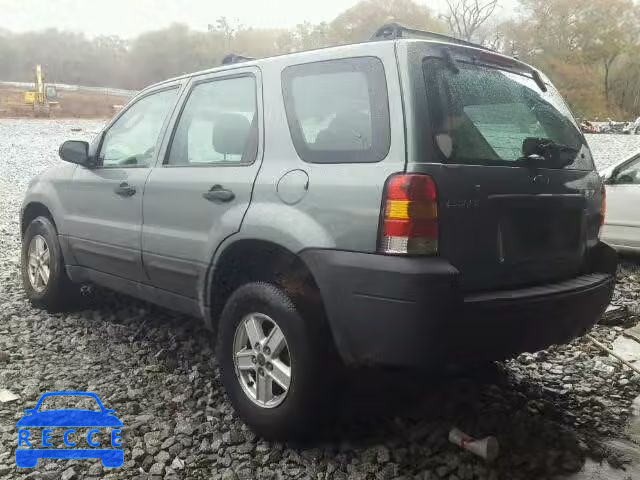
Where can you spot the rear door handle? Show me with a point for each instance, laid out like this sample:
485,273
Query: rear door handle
219,194
125,190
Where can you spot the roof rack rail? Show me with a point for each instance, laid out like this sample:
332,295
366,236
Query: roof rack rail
233,58
393,31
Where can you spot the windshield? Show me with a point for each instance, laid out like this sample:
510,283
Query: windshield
486,116
69,402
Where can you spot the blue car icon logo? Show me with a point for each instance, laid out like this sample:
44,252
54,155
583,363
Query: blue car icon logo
72,428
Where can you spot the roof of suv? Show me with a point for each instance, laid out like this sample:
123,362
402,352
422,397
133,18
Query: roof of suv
296,57
371,47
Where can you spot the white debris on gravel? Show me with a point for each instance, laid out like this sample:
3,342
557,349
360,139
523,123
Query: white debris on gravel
7,396
548,410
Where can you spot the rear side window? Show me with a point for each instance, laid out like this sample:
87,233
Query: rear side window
338,110
487,116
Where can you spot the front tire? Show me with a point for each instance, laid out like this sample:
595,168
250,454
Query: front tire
279,369
26,459
44,278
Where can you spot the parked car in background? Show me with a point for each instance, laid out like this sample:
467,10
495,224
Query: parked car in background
622,224
404,202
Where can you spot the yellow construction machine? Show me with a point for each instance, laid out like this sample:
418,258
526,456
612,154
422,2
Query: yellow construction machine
44,98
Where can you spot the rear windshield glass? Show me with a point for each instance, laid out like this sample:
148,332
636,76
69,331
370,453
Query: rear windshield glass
487,116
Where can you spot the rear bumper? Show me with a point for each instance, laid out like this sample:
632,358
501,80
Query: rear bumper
28,458
411,311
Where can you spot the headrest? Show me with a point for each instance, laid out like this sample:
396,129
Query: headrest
230,134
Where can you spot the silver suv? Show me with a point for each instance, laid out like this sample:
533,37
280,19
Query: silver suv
400,202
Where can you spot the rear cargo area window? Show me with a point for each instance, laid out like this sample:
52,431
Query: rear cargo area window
485,115
338,111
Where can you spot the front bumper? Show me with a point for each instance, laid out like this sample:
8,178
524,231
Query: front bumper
400,311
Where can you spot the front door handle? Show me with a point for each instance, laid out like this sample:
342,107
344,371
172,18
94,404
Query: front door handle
125,190
219,194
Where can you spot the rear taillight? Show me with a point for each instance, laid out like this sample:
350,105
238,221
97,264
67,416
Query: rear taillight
410,216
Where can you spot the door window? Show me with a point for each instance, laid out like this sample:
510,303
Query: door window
132,139
218,124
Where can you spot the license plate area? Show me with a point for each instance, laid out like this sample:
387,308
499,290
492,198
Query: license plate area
540,232
536,227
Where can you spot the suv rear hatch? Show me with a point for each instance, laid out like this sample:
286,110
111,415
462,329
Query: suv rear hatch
518,196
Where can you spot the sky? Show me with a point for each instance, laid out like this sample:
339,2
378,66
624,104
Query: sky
127,18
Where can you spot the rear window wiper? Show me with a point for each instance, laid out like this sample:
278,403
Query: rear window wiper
546,153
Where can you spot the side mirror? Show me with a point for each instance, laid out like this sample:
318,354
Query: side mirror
611,178
29,410
75,151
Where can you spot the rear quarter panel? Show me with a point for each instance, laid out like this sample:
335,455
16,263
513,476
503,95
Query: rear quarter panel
341,207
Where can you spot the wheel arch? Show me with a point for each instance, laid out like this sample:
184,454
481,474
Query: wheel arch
33,210
252,260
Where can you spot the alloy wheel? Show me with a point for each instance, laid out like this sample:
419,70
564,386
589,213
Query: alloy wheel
262,360
39,258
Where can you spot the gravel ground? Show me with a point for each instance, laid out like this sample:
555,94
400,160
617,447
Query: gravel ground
549,410
608,149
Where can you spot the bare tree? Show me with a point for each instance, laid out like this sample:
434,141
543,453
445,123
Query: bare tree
224,26
465,17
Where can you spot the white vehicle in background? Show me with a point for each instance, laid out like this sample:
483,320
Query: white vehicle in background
622,222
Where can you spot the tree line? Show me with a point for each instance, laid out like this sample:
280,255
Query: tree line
586,47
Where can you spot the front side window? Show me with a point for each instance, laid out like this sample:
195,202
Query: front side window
338,111
132,139
218,124
484,115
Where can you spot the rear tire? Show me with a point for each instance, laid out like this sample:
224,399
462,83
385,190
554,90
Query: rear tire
314,371
44,277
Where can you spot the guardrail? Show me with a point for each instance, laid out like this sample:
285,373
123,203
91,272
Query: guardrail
76,88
